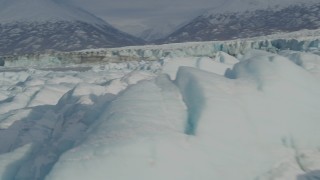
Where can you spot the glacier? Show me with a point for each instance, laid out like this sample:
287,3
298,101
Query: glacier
243,109
305,40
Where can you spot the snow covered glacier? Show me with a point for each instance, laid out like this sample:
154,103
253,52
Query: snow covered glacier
254,115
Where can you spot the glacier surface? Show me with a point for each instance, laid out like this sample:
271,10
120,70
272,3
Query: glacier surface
200,113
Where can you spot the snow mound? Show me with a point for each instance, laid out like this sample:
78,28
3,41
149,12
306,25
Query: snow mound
130,128
310,62
171,66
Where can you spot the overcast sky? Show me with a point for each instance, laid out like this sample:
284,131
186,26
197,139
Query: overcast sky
134,15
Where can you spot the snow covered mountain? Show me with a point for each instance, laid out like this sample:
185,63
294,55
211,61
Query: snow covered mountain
38,25
249,18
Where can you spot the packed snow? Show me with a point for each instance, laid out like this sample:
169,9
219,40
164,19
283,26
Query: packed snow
245,115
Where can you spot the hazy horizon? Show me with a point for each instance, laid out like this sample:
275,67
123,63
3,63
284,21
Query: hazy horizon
133,16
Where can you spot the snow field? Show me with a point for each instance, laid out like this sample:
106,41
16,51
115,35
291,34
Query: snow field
217,117
251,126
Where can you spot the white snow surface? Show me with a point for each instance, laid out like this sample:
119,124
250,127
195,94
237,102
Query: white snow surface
254,116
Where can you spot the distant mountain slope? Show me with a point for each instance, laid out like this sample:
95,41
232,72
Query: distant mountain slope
39,25
249,20
158,32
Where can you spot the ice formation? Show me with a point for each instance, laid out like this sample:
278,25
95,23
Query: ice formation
199,113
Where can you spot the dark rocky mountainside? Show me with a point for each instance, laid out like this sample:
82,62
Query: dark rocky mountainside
40,25
233,25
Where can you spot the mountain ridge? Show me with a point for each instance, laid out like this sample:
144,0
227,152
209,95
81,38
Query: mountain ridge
250,23
28,26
